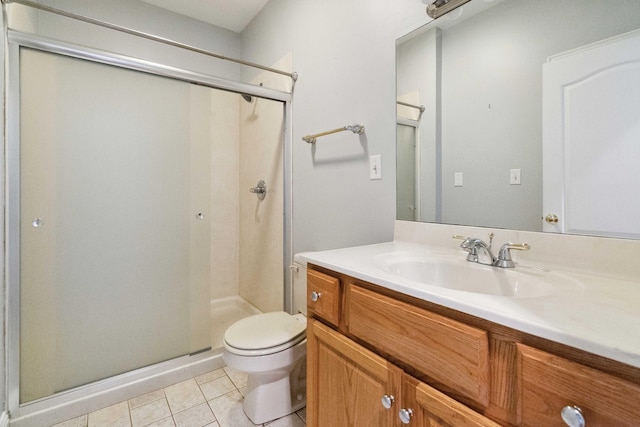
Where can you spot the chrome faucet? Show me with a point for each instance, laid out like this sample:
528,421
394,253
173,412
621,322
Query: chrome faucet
480,252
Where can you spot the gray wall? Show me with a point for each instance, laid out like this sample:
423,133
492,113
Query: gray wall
344,52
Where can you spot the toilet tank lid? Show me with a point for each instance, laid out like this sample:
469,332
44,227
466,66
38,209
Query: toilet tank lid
264,330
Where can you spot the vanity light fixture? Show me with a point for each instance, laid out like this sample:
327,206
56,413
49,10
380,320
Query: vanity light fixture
437,8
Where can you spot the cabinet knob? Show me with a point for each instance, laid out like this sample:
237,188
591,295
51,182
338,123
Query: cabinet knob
315,296
387,401
572,416
405,415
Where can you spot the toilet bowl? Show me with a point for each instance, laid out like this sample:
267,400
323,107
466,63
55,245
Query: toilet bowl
271,349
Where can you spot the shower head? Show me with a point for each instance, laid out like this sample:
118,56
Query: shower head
246,97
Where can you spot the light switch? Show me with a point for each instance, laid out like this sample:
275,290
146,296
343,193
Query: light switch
457,179
514,177
375,167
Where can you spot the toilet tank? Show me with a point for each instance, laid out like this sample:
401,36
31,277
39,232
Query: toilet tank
299,269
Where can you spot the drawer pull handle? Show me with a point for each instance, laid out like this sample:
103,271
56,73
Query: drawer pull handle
315,296
572,416
405,415
387,401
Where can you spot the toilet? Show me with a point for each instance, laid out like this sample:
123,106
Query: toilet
272,348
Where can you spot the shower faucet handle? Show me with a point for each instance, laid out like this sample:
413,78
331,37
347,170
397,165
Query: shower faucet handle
260,190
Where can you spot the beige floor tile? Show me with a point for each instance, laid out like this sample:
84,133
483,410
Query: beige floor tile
112,416
75,422
210,376
150,413
228,410
165,422
188,403
302,413
238,378
292,420
197,416
217,387
184,395
146,398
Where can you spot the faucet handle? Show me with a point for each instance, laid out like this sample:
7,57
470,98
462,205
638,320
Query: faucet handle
469,244
504,256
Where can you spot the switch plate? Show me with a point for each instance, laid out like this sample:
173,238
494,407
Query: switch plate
457,179
375,167
514,177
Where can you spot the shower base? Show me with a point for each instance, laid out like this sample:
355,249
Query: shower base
224,313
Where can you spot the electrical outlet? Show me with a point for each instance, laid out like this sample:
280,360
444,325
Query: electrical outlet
514,177
375,167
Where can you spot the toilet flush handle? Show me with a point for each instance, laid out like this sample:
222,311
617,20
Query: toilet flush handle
315,296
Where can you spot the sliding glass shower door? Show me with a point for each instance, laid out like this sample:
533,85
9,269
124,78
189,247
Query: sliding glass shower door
115,200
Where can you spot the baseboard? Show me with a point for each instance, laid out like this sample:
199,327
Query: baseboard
4,419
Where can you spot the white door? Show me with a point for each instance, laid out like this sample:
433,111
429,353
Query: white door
591,139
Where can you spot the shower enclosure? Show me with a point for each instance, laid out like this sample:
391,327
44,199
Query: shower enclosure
129,211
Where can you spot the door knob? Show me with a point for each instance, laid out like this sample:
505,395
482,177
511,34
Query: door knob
315,296
551,218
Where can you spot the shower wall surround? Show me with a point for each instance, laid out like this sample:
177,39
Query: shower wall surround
261,157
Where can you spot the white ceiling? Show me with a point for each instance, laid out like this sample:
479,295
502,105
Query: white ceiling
233,15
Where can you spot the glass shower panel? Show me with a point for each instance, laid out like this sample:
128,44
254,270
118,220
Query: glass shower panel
114,237
406,203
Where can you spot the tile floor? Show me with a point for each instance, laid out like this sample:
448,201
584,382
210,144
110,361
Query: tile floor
212,400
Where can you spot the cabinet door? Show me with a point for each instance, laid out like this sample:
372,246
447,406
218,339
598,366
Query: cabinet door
427,407
346,382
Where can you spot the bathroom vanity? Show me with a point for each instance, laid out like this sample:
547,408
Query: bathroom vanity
385,351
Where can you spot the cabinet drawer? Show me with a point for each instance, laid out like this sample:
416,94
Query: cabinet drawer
548,383
323,296
451,353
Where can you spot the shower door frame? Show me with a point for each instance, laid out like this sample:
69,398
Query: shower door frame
100,389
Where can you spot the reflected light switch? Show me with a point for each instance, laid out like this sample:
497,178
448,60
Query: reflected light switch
457,179
514,177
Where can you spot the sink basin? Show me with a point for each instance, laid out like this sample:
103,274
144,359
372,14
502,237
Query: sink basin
465,276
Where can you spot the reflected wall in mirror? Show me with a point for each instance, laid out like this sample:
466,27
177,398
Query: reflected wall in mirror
478,157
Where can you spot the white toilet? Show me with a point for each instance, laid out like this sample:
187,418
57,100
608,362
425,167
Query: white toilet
272,348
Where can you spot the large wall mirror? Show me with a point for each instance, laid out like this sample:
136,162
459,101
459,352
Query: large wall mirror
531,117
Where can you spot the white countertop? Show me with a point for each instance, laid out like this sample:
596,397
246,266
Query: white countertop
593,313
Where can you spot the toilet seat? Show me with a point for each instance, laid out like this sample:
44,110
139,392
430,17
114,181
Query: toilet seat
264,334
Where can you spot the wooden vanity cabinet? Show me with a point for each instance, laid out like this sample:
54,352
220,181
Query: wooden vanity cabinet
349,385
368,347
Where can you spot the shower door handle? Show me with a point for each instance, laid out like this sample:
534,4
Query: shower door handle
259,190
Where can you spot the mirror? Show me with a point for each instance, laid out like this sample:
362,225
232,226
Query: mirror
474,156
